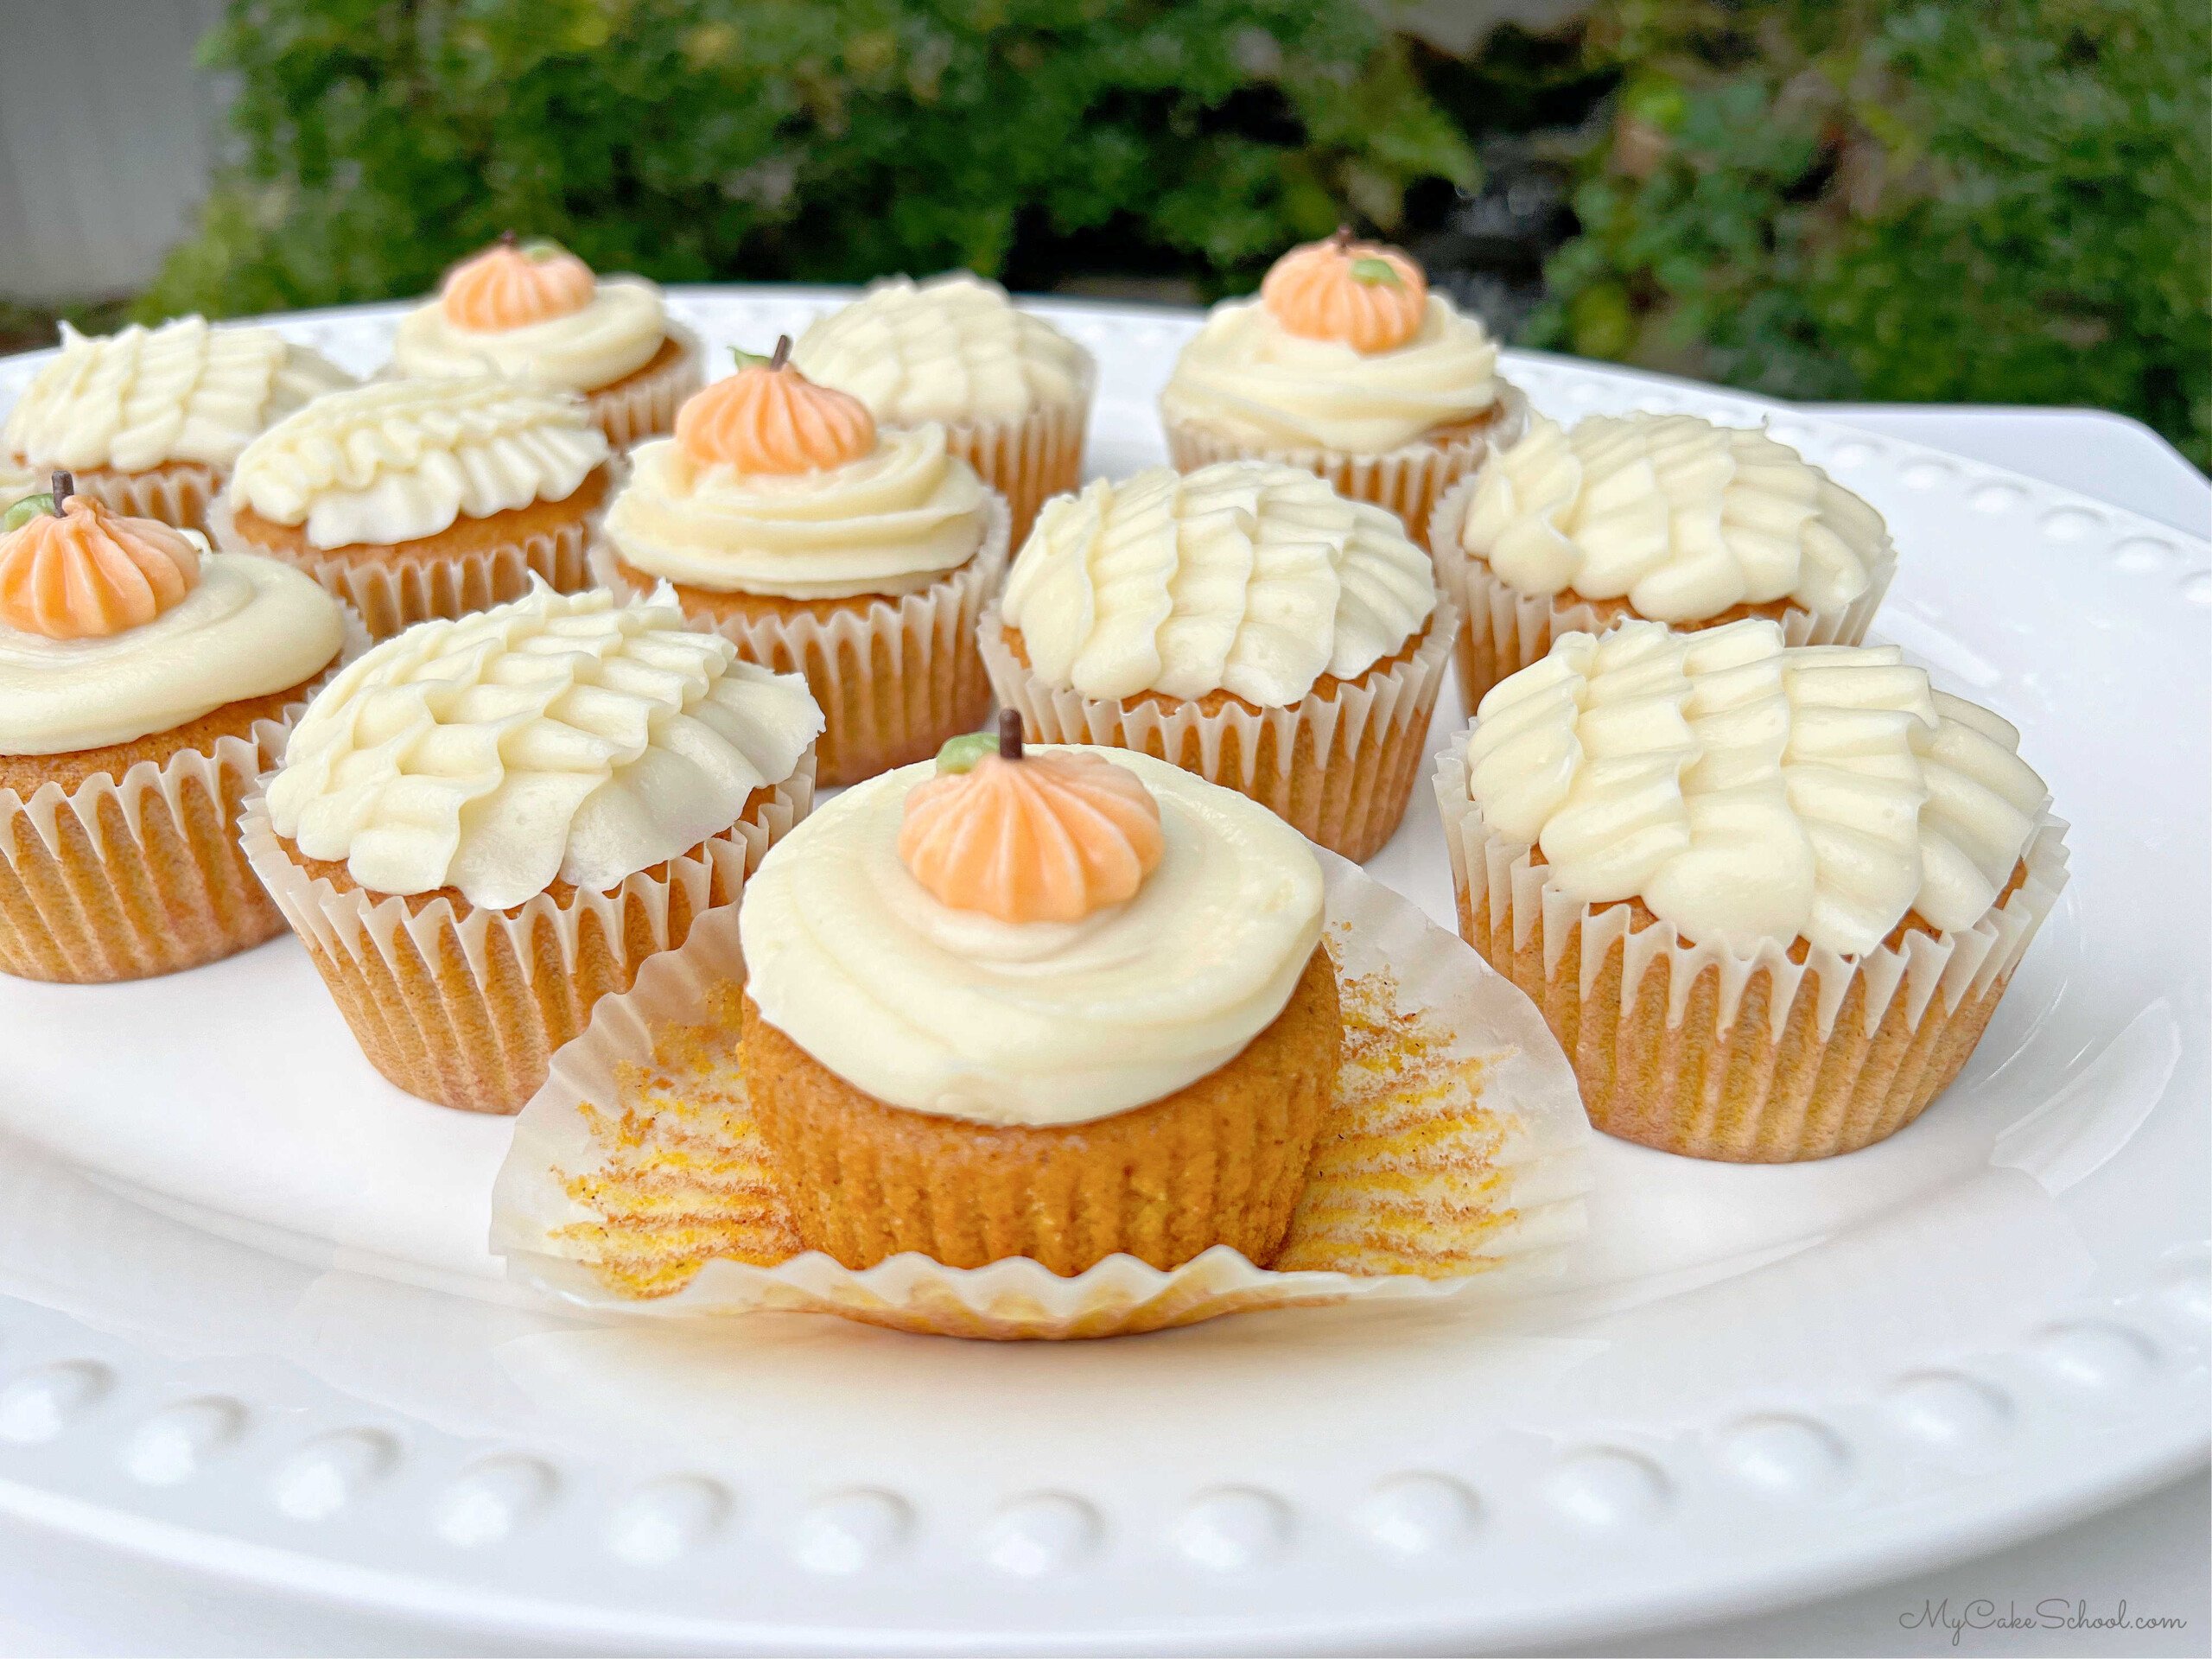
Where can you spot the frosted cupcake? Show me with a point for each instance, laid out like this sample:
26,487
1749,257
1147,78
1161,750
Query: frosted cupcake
150,421
418,498
144,683
1244,621
1059,1004
1011,392
821,545
1767,897
482,827
1666,518
534,312
1347,366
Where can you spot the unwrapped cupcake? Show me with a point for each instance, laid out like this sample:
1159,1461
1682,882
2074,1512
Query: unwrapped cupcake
150,420
1766,896
1347,365
482,827
822,545
1244,621
1011,392
418,498
533,312
1668,517
144,684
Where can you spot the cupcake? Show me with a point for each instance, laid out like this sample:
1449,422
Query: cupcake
418,498
820,544
534,312
144,684
1011,392
1345,365
1666,518
1245,621
150,421
1055,1003
481,827
1767,896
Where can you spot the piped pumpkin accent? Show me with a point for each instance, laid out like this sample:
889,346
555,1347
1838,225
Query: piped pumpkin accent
511,286
1368,297
768,417
83,572
1047,837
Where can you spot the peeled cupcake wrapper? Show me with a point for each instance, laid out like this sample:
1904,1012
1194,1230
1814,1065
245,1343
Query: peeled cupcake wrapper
1347,793
1409,481
1455,1163
465,1006
642,406
1506,630
1747,1058
130,877
180,493
895,676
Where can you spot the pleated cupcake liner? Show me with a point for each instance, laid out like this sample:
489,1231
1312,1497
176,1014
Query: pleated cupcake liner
463,1006
1029,461
895,675
1452,1165
644,406
1745,1057
1505,630
1339,769
179,492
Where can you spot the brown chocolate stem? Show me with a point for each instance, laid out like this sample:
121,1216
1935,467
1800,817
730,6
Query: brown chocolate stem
1341,237
782,353
508,239
62,486
1009,734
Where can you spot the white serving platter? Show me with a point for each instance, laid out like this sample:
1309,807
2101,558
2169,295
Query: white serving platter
248,1323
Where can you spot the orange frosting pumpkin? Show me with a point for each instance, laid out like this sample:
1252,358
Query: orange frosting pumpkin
1043,837
511,287
768,417
1368,297
86,572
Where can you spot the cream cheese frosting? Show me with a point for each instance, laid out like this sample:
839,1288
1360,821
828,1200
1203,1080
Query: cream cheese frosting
249,627
953,349
1244,576
955,1012
1683,518
181,392
397,459
894,522
1247,378
1748,792
614,335
559,736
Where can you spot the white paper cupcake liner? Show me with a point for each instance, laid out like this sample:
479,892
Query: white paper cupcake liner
1029,460
644,406
1347,792
1455,1163
180,493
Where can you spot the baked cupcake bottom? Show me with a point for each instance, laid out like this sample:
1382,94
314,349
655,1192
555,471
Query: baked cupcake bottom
180,493
642,404
1220,1161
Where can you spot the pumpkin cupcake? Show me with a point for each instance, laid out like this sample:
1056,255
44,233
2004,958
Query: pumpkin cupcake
1012,392
418,498
1054,1003
481,827
150,421
1245,621
1766,896
144,683
821,545
1666,518
534,312
1347,366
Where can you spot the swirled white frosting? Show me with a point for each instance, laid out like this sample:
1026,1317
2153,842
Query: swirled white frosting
1247,378
250,626
893,522
565,736
183,391
614,335
953,349
1682,518
959,1014
1749,791
396,459
1244,576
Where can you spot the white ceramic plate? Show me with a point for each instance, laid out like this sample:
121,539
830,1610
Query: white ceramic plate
248,1322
